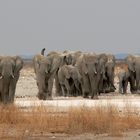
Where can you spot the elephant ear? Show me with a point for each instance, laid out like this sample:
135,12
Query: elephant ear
18,64
36,62
48,67
56,62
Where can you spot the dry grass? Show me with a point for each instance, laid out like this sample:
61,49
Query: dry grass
19,123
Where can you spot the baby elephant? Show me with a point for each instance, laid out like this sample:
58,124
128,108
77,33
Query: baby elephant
123,81
69,78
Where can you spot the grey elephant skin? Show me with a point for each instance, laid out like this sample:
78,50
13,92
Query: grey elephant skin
109,74
70,79
46,69
91,68
9,74
133,63
72,57
57,60
124,78
42,67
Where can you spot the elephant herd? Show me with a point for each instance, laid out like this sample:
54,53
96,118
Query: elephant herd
72,73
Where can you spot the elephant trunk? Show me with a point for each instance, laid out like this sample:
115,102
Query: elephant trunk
110,72
92,69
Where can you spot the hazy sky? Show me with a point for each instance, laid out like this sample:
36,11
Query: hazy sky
26,26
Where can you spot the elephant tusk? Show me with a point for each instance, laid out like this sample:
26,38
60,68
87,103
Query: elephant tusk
1,77
46,72
95,72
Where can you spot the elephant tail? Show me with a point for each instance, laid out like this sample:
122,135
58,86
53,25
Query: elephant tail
42,51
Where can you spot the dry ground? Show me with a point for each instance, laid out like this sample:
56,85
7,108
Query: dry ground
119,128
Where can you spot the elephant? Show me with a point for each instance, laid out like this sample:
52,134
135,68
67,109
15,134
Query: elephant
137,71
9,74
87,65
133,63
101,69
42,67
69,77
85,83
109,74
124,78
57,60
46,69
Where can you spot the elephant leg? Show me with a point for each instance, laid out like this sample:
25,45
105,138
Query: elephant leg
5,96
80,93
94,94
111,84
112,87
0,97
105,87
120,85
137,81
63,89
132,84
0,91
101,85
73,89
77,88
85,86
50,86
5,91
71,86
12,89
102,89
41,83
125,87
94,87
68,88
57,86
77,91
